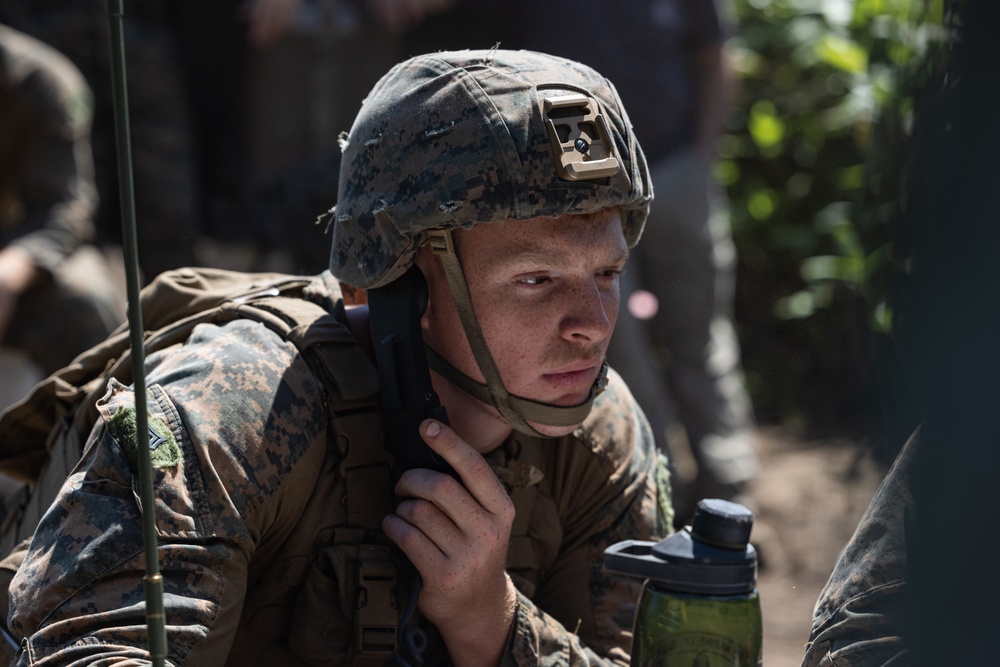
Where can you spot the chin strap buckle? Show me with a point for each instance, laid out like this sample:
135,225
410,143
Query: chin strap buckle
440,241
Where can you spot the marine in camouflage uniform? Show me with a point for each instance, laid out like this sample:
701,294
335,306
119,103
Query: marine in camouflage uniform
47,201
667,61
860,615
253,511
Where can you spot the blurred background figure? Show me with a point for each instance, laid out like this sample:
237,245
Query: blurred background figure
675,343
272,84
58,294
161,136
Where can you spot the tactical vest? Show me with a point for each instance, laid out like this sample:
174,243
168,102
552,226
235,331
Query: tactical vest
336,591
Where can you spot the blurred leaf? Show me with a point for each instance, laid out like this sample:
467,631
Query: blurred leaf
855,107
849,244
797,306
882,318
762,203
832,216
806,6
833,267
869,10
843,53
765,127
851,178
838,12
726,172
876,260
806,30
746,62
815,165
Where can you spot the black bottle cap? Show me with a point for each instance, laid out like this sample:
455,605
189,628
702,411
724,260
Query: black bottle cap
722,524
713,557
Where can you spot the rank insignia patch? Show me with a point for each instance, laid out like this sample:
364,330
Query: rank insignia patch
163,449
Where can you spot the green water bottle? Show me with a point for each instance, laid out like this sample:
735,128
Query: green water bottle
699,606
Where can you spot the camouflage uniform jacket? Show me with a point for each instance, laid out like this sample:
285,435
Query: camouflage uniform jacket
47,195
242,462
859,617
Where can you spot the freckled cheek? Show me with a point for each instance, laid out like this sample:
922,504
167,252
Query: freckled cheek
517,337
515,324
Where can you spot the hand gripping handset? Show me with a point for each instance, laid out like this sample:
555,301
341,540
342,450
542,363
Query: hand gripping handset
406,395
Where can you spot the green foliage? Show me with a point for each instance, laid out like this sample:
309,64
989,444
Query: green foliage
814,159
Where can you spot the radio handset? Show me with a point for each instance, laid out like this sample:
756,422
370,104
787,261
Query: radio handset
406,396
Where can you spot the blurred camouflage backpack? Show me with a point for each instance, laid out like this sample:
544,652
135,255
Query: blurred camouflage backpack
42,437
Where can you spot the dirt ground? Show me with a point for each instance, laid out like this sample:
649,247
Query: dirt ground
807,500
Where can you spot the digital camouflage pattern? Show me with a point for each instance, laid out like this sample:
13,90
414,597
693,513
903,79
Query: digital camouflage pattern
248,416
453,139
858,620
255,470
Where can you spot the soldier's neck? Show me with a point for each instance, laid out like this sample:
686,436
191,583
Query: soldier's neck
475,422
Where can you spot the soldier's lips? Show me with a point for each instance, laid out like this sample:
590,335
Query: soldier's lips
575,376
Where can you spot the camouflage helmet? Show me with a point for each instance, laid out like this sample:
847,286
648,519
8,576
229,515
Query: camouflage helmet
452,139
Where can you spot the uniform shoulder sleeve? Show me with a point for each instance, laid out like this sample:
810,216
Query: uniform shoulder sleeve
236,434
858,617
616,430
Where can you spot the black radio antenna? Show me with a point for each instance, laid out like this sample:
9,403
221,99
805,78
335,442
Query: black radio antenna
153,580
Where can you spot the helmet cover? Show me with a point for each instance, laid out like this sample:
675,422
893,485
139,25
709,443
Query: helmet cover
454,139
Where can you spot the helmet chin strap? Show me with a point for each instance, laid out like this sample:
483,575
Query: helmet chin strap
515,410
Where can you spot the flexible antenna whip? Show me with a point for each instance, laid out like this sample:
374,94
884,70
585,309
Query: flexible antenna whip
153,581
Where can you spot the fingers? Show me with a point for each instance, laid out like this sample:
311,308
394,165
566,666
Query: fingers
422,531
456,534
442,518
443,491
472,468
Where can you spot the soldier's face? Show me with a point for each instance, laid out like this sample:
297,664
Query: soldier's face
545,292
